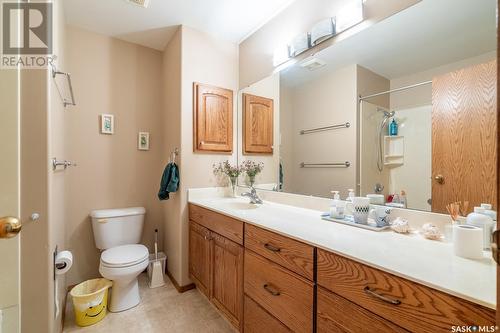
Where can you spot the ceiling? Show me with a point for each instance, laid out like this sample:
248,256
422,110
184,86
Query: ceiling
427,35
231,20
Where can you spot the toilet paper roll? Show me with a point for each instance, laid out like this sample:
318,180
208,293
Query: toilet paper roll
64,261
468,241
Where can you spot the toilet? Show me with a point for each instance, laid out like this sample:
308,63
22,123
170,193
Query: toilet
117,232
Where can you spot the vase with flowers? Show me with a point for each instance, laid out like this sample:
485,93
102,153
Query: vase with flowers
252,169
231,171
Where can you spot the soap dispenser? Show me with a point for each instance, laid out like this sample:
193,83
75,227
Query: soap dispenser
348,207
393,128
337,207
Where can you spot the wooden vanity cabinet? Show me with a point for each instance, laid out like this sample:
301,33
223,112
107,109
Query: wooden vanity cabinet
216,261
406,304
278,284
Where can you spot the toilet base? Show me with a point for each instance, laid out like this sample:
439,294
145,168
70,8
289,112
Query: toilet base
124,295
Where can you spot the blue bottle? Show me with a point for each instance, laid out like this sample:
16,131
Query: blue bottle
393,127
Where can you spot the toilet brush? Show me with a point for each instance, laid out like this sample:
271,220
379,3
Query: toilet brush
156,279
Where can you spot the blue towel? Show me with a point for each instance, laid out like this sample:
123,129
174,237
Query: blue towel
169,181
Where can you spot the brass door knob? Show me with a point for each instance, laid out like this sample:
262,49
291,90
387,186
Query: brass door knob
439,179
9,226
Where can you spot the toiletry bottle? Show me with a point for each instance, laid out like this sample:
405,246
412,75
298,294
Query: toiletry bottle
348,207
402,198
336,209
481,220
393,128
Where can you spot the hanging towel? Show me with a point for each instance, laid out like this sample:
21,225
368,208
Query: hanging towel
169,181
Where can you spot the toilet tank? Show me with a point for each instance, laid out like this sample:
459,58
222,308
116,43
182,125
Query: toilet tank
115,227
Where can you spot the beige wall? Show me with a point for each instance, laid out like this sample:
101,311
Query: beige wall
123,79
215,62
369,119
256,52
171,77
269,88
57,180
327,100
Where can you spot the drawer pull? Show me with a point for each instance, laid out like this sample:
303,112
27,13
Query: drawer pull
272,248
271,290
381,297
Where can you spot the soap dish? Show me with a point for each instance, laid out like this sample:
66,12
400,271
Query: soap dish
349,221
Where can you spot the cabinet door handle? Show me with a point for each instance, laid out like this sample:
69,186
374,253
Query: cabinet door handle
272,248
381,297
273,291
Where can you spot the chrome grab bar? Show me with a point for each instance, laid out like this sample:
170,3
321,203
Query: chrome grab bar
345,164
326,128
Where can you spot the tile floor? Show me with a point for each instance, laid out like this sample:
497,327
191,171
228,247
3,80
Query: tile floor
161,310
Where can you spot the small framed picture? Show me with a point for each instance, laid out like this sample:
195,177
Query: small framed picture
107,124
143,141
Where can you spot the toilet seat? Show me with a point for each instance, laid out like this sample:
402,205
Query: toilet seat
124,256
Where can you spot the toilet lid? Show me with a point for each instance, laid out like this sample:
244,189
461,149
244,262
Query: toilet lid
124,255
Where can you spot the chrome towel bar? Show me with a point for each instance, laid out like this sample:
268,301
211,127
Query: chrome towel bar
66,102
345,164
326,128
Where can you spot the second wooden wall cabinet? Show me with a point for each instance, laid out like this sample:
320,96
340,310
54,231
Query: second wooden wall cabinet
213,119
276,284
258,128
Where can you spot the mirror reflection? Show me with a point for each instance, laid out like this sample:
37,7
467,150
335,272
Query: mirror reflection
403,112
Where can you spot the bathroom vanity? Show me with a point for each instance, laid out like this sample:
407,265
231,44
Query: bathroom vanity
280,268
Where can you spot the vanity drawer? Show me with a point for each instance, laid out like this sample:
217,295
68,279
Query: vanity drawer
285,295
410,305
294,255
336,314
218,223
258,320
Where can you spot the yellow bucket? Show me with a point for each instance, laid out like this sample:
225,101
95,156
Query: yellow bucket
90,299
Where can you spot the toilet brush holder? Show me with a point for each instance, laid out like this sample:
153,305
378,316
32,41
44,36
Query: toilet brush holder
156,275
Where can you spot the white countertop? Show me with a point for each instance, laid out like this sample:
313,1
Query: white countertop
413,257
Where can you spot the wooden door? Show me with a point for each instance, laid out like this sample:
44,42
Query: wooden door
199,257
464,127
258,128
227,279
213,118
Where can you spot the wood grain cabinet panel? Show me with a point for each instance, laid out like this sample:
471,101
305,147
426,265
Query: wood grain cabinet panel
221,224
258,320
337,315
464,140
407,304
258,130
227,279
285,295
199,257
291,254
213,118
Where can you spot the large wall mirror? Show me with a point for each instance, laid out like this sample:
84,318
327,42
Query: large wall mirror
403,111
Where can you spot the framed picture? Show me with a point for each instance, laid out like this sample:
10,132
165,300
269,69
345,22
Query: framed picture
107,124
143,141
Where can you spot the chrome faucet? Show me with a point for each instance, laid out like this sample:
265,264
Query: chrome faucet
254,198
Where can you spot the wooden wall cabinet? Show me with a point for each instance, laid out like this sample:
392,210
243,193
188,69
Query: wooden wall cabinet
258,125
213,119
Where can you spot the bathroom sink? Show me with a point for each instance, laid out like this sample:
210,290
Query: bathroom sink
239,205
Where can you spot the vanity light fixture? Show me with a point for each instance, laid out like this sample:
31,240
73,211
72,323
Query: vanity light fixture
349,16
322,30
141,3
281,55
299,44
